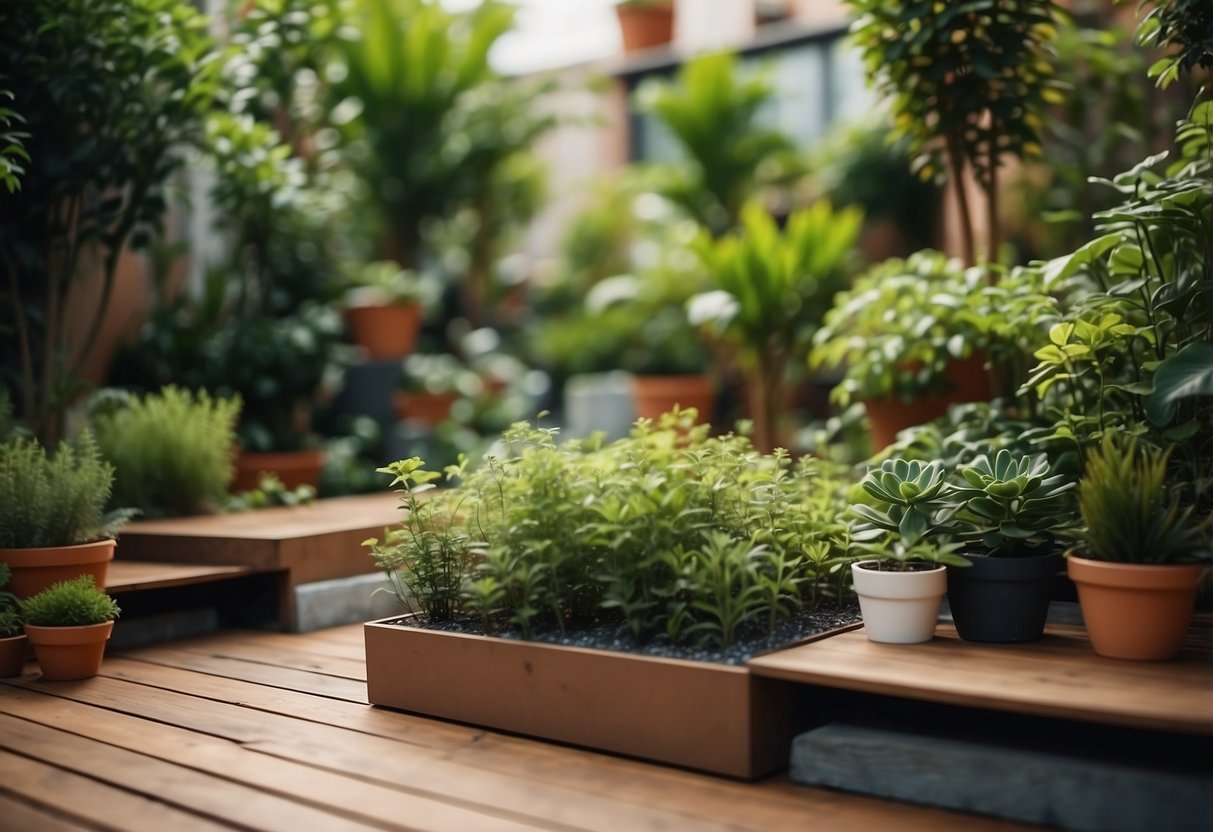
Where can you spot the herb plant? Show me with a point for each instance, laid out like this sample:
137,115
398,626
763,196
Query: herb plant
1131,515
668,533
55,499
171,451
74,603
10,606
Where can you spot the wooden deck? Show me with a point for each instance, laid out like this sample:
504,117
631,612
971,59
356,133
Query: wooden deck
270,731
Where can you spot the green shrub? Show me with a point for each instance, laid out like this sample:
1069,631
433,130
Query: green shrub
669,532
171,451
73,603
10,607
55,499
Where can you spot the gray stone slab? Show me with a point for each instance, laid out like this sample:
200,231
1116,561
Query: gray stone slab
342,601
1045,787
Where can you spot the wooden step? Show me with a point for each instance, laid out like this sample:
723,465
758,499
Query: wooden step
125,576
1058,676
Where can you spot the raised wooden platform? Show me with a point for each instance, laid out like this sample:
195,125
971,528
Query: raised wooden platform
304,544
142,576
1058,676
269,731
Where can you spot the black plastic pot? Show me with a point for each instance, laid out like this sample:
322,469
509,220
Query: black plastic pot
1002,599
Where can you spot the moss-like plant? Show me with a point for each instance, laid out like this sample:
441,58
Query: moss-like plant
74,603
1130,514
171,451
10,606
669,532
55,499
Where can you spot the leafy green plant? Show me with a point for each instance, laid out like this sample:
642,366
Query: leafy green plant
712,108
897,327
1183,29
383,281
913,494
971,79
171,451
74,603
10,606
668,533
110,94
270,492
1131,515
773,290
55,499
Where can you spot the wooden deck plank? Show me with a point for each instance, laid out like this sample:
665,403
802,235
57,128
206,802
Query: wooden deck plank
92,802
203,794
274,655
136,576
643,784
334,792
1059,676
292,746
19,815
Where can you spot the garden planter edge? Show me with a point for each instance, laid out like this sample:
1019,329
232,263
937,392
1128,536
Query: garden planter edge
699,715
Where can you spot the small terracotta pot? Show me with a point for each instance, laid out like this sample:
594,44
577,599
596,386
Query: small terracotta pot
12,655
387,331
68,653
294,468
889,416
644,27
656,395
424,408
899,607
36,569
1133,610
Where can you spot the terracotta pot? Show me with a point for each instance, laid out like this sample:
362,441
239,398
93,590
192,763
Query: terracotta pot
68,653
294,468
889,416
424,408
36,569
1135,611
899,607
1002,600
656,395
12,655
644,27
387,331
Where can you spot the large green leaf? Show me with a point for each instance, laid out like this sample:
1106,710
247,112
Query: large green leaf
1186,374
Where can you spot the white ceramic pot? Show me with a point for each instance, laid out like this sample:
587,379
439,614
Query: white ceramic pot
899,607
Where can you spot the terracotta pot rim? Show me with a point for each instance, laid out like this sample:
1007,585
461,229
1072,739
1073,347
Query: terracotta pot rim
77,634
1134,575
97,551
303,458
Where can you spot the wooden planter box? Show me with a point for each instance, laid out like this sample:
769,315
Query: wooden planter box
711,717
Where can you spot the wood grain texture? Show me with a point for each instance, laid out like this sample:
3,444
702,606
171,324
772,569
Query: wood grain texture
1058,676
138,576
210,711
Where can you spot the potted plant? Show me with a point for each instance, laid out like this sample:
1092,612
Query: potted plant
68,624
13,642
773,288
384,309
645,24
1143,553
431,384
53,524
908,341
1012,514
171,450
900,586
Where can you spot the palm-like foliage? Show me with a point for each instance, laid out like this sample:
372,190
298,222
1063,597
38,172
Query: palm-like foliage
712,110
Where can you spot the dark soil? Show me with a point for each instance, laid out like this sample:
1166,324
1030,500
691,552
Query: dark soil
751,641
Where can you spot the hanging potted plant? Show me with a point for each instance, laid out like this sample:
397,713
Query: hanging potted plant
53,524
902,580
13,643
384,309
1011,513
68,624
1143,553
